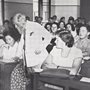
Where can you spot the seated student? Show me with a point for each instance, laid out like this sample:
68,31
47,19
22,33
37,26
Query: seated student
11,38
48,26
62,19
83,42
71,28
64,55
10,54
54,28
61,25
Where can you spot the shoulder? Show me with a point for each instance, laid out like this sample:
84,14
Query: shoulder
32,23
88,41
4,46
55,51
16,44
77,51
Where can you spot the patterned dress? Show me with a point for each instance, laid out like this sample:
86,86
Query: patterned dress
18,78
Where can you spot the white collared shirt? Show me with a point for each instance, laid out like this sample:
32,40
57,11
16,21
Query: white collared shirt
37,38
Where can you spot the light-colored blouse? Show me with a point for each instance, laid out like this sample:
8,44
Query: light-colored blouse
84,45
9,52
67,61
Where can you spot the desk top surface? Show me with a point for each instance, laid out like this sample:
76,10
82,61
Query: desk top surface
73,81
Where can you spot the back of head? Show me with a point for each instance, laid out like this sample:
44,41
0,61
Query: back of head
13,32
66,36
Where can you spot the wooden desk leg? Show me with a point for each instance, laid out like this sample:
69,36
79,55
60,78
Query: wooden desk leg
35,81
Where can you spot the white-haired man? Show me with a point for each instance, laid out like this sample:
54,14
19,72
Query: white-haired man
36,40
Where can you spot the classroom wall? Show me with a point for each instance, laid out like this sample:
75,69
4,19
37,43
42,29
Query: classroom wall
84,9
65,8
18,6
0,13
58,7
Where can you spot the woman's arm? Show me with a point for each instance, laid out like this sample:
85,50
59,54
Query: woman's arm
76,66
48,63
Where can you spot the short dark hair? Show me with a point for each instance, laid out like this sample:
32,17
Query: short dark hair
47,24
62,22
62,18
13,32
6,21
66,36
86,26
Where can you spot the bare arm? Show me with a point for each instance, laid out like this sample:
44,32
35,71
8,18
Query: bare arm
48,63
76,65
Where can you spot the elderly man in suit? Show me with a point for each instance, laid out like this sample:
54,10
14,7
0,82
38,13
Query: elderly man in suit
36,38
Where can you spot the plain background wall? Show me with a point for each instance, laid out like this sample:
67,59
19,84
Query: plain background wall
65,8
58,7
85,9
18,6
0,13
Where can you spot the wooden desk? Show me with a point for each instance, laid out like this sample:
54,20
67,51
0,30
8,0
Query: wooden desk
66,84
5,73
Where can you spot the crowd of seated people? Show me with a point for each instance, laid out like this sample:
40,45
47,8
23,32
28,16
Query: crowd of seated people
67,49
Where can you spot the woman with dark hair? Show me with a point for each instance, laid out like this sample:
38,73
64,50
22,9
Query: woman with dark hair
11,38
61,25
62,19
13,32
11,52
83,42
48,26
64,55
71,28
71,20
54,27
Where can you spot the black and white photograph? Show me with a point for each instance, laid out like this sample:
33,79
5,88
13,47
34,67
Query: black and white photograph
44,44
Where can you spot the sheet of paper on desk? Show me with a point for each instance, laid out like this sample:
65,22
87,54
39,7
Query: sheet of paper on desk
85,79
38,70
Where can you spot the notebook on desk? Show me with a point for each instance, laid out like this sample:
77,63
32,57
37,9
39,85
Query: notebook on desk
85,79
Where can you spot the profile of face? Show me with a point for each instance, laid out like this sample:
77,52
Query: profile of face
69,27
19,21
9,40
71,21
59,42
61,25
22,20
6,25
63,19
54,28
48,27
83,33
